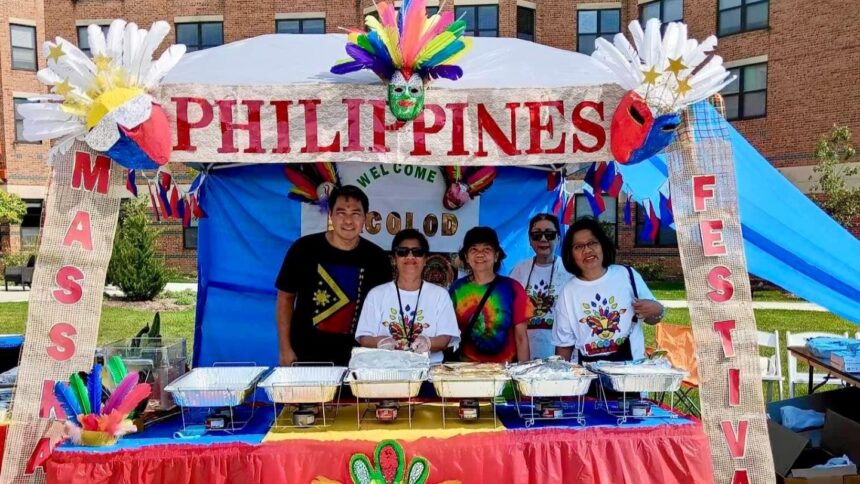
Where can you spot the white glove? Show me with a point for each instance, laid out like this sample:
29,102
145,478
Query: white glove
387,344
421,344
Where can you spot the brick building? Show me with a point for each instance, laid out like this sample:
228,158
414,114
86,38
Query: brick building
797,62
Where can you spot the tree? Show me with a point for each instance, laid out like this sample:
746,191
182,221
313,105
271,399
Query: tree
834,152
134,265
12,208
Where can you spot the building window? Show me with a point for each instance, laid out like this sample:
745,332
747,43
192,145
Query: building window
662,10
742,15
481,20
591,24
608,219
746,96
84,38
300,26
526,23
30,224
23,47
200,35
666,236
19,121
189,235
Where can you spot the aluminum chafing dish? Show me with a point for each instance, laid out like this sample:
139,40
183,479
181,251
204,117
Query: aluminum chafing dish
217,386
551,378
303,384
642,376
386,383
469,380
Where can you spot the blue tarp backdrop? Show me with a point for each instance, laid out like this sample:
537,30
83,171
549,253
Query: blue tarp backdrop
249,226
251,223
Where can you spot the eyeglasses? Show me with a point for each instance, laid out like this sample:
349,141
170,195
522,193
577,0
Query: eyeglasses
548,234
405,251
486,250
590,246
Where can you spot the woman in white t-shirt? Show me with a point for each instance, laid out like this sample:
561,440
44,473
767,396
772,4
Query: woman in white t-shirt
542,276
598,312
409,313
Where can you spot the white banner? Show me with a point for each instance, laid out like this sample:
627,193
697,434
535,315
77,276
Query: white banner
401,196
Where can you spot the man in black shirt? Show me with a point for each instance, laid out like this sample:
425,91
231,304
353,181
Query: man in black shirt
323,281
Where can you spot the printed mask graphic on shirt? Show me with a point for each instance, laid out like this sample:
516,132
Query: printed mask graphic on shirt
543,298
603,317
400,330
336,298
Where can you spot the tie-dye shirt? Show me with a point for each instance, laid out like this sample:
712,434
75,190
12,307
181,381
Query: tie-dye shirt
492,338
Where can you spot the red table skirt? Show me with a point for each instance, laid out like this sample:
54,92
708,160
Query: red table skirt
598,455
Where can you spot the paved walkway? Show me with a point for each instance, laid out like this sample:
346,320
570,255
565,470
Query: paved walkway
16,294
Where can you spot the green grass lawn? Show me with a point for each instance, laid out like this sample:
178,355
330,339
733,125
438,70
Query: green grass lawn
675,290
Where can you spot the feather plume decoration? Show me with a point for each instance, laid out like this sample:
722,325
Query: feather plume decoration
465,183
80,392
94,388
68,401
138,393
117,370
121,391
669,71
102,94
312,182
408,43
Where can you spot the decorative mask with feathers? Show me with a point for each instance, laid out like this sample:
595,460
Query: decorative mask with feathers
465,183
664,74
106,100
407,50
92,420
312,182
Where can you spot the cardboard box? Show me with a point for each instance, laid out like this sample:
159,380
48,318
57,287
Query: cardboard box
795,459
847,362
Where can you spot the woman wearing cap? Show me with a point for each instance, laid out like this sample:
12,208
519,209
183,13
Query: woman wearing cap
542,276
599,310
492,310
409,313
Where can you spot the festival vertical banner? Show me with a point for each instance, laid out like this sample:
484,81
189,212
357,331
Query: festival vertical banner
707,221
65,302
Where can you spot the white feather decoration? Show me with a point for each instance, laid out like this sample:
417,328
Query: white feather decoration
122,61
669,71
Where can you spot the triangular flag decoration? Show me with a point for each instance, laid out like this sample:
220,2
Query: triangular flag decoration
589,175
130,184
597,204
608,177
667,218
569,211
155,210
655,223
615,185
647,225
627,214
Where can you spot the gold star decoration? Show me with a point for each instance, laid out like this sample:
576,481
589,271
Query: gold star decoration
321,297
683,86
55,52
102,62
63,88
651,76
676,66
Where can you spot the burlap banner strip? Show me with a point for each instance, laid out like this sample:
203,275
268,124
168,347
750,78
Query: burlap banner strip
704,199
65,302
274,124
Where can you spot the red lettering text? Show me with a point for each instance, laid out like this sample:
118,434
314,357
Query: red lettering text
723,289
64,346
91,176
70,290
183,127
79,231
225,111
588,127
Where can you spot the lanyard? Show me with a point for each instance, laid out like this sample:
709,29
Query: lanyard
551,273
411,329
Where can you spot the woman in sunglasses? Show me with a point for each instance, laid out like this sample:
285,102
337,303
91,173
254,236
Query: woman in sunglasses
492,310
409,313
599,312
542,276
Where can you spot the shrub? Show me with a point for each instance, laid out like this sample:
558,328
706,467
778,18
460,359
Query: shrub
134,266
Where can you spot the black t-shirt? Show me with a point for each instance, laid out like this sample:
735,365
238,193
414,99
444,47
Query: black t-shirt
330,285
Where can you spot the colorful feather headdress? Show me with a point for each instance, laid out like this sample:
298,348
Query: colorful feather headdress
105,100
406,51
312,182
91,423
664,73
465,183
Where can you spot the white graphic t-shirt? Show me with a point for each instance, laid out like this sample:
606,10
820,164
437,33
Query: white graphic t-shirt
543,293
596,316
431,315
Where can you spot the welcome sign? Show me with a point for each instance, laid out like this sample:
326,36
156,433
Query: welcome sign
401,197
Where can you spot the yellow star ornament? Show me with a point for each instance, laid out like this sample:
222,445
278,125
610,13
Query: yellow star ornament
102,62
63,88
676,66
683,86
55,52
651,76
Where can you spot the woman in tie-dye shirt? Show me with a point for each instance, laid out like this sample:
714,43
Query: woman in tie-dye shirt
499,331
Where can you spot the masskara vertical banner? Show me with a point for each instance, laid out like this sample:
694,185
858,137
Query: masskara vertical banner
705,203
65,302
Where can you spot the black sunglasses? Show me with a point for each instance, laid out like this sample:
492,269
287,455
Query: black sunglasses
548,234
404,251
